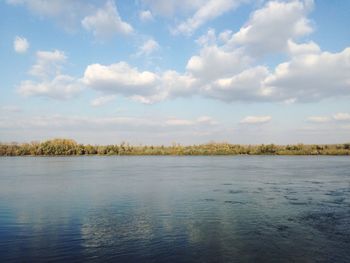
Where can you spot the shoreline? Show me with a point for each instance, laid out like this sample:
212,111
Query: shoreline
68,147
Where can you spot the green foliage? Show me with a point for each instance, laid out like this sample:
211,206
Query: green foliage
70,147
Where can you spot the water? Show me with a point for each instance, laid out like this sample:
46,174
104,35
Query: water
175,209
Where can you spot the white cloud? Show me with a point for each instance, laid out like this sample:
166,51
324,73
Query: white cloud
224,68
208,39
10,109
66,13
122,123
208,11
50,82
174,84
256,119
228,76
48,63
145,16
319,119
20,44
148,47
120,78
295,49
312,77
171,84
245,86
202,120
60,87
179,122
106,22
142,86
214,62
270,28
341,116
101,101
193,14
172,7
206,120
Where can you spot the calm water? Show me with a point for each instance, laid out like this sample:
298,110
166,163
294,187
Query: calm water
175,209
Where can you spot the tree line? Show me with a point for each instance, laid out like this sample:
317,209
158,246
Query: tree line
67,147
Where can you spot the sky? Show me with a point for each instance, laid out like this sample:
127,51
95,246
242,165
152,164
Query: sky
162,72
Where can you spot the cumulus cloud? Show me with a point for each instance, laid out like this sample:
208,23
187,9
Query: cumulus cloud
319,119
145,16
312,77
49,81
175,84
66,13
245,86
203,120
60,87
172,7
208,11
103,100
225,67
120,78
337,117
116,123
214,62
228,76
142,86
342,116
148,47
295,49
256,119
10,109
194,13
270,28
20,44
106,22
48,63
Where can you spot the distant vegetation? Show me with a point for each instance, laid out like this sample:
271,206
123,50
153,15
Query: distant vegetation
70,147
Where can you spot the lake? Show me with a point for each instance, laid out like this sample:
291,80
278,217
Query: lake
175,209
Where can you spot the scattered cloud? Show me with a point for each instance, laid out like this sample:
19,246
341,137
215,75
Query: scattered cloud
193,14
106,22
341,116
148,47
225,68
319,119
295,49
50,82
65,13
123,123
10,109
214,62
208,11
142,86
203,120
60,87
170,8
269,28
256,119
312,77
20,44
145,16
245,86
48,63
101,101
120,78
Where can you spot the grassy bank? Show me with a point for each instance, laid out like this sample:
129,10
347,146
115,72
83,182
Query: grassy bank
70,147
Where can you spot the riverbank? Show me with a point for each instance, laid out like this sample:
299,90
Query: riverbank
67,147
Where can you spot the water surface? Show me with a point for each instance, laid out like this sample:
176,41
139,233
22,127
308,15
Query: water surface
175,209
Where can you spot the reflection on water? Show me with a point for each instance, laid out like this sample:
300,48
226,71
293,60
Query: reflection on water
175,209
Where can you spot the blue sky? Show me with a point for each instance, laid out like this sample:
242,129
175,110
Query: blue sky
158,72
